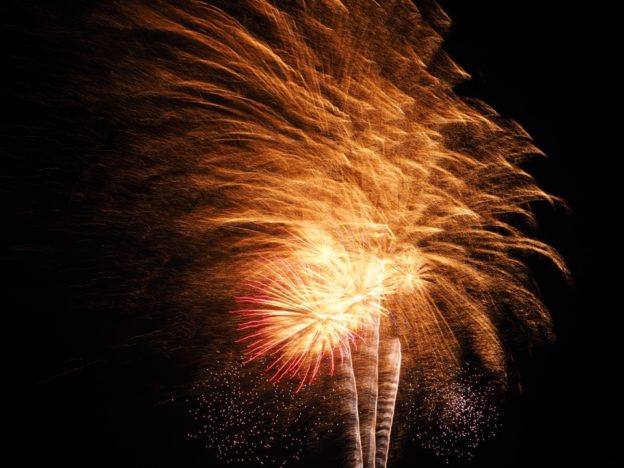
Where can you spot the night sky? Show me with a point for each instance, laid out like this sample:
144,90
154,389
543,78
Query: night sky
95,398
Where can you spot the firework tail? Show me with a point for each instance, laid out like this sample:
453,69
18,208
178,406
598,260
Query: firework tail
390,370
369,415
350,412
368,382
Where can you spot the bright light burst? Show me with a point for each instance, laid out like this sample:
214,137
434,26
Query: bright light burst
311,306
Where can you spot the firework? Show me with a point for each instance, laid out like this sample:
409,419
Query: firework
310,307
364,220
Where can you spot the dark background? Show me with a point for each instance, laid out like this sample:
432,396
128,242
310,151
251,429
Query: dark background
531,60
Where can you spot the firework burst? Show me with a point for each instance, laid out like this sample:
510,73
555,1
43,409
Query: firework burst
314,159
308,308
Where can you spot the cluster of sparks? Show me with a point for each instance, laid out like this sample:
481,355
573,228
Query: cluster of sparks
242,420
234,422
455,420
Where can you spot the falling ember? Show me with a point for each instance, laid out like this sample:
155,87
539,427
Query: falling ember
461,414
231,416
313,166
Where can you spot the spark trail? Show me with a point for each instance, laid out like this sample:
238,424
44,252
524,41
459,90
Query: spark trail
390,370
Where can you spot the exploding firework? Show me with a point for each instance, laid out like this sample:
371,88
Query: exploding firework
357,217
310,307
